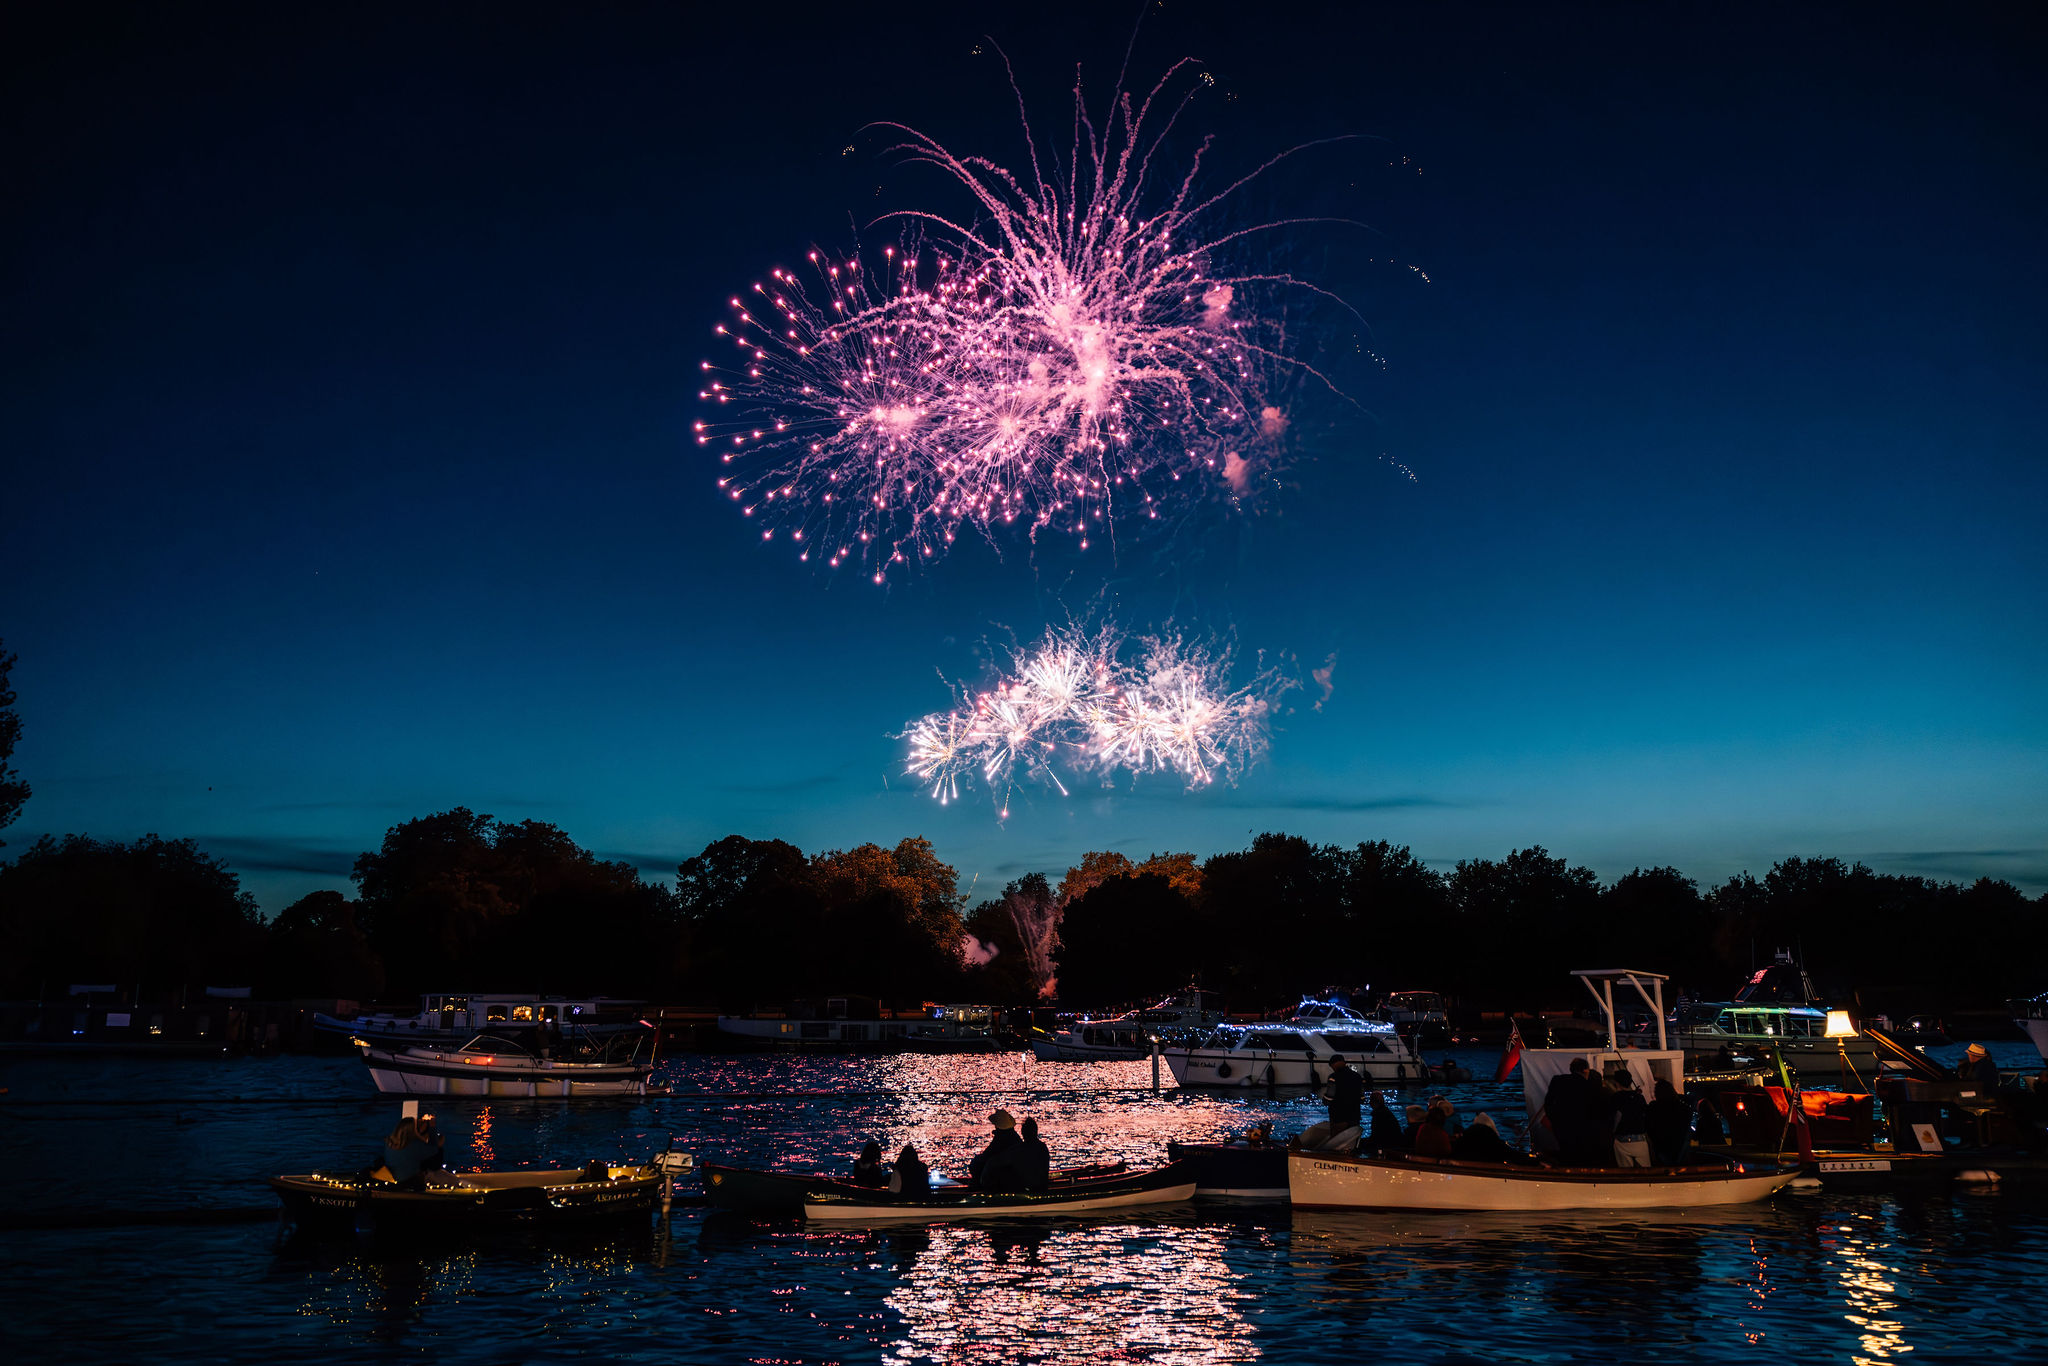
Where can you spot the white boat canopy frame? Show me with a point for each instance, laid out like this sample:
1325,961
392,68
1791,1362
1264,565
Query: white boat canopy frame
1603,996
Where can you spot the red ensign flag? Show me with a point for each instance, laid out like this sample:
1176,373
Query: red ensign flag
1512,1054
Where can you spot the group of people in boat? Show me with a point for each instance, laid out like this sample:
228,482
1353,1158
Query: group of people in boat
1362,1121
1602,1119
1015,1160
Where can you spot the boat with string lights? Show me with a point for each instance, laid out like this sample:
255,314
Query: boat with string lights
1176,1019
1298,1051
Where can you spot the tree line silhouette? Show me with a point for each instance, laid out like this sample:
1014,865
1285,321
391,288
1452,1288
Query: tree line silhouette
459,900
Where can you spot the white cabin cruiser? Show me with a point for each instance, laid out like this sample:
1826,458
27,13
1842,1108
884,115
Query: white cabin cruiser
1175,1020
1296,1052
608,1065
1777,1008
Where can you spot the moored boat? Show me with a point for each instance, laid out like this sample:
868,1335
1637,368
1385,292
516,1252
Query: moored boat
598,1193
1322,1180
1172,1021
841,1202
1776,1011
1296,1052
449,1017
592,1065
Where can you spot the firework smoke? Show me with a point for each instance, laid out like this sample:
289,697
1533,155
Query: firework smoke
1087,348
1091,703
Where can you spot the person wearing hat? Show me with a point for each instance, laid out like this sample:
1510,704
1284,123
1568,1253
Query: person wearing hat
1978,1068
1000,1166
1481,1143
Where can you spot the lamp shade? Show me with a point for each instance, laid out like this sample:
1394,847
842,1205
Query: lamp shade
1839,1026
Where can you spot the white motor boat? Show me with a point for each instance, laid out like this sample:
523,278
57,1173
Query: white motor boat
1296,1052
2032,1018
1175,1020
493,1066
940,1029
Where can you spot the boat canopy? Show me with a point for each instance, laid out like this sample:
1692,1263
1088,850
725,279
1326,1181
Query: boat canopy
1648,985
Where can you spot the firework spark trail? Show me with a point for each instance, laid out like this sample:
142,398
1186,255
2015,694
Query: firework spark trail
1080,351
1098,705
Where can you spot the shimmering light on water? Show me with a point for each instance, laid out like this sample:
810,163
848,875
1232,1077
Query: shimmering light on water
1825,1278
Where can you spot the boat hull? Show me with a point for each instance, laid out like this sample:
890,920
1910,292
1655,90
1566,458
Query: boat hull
1325,1181
842,1203
492,1200
426,1073
1220,1067
2036,1030
1238,1170
744,1191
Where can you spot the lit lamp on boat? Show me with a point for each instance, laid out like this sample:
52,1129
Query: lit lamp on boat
1838,1029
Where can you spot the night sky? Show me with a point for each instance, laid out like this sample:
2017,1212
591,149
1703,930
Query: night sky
351,362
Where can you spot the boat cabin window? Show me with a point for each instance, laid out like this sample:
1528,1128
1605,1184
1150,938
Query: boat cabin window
1354,1043
496,1013
1278,1043
522,1012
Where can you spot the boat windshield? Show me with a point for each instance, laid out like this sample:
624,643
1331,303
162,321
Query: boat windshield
1276,1041
1355,1043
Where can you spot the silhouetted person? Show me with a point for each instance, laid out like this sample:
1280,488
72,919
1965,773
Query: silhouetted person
1564,1105
1670,1126
1387,1136
1346,1093
407,1153
1706,1126
911,1177
1416,1114
1631,1125
1432,1139
868,1169
1979,1070
1481,1143
1036,1160
999,1166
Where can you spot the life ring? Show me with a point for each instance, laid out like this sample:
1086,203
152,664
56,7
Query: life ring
1223,1070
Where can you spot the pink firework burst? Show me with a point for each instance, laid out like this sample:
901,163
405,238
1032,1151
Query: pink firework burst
1086,348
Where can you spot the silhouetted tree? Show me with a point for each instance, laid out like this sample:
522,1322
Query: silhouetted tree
13,791
155,913
316,949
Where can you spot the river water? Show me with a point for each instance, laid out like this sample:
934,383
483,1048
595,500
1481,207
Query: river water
120,1183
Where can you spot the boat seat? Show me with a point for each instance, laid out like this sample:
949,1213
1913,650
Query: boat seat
1318,1138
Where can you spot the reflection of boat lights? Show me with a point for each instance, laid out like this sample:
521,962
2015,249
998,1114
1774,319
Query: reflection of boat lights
1869,1285
1072,1295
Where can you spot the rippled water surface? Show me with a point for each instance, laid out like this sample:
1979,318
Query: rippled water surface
123,1159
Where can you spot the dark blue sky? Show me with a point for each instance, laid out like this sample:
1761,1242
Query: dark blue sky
350,364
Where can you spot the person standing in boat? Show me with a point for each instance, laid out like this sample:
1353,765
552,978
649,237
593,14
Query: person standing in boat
1345,1092
998,1167
911,1177
1670,1126
1631,1124
868,1169
1564,1105
1979,1069
1036,1161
